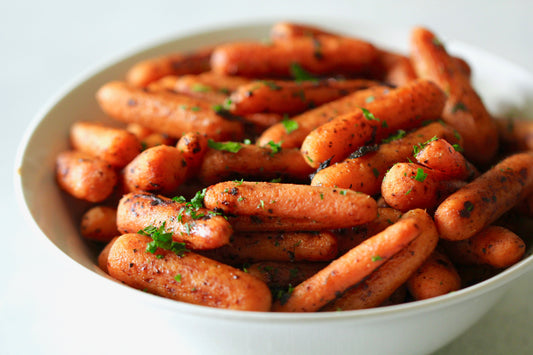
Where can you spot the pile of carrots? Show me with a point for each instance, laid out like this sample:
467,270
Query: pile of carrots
316,172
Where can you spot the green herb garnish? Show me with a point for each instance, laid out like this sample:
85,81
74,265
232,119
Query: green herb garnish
300,74
290,125
232,147
420,175
162,239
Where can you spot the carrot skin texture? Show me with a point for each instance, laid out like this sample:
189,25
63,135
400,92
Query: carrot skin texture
403,108
291,97
287,30
481,202
383,282
99,223
435,277
147,71
329,206
311,119
137,211
160,169
85,176
350,268
164,112
366,173
114,145
284,246
253,162
408,185
464,109
193,146
189,278
441,157
495,246
320,55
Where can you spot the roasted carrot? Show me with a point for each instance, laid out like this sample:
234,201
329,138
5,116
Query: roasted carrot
351,268
478,204
165,112
464,109
84,176
336,208
276,246
403,108
114,145
291,134
320,55
253,162
444,159
198,228
193,147
409,185
381,284
159,169
147,71
365,169
99,223
189,277
104,254
291,97
254,223
495,246
397,68
436,277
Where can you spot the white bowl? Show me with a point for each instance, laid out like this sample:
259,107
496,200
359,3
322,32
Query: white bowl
412,328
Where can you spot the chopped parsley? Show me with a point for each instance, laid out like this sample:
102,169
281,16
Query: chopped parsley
420,175
418,148
457,148
283,296
272,85
177,278
290,125
369,99
342,192
376,258
409,191
162,239
368,115
232,147
395,136
200,88
275,147
300,74
459,107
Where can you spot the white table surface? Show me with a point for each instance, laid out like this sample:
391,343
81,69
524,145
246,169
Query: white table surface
44,307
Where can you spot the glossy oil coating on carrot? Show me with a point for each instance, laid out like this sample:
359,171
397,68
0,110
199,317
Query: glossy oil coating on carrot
495,246
316,117
481,202
349,269
114,145
160,169
85,176
403,108
150,70
319,55
436,277
253,162
276,246
189,278
291,97
464,109
365,171
325,205
382,283
165,112
198,229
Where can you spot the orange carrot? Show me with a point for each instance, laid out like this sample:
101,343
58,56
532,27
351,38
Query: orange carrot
403,108
188,277
349,269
